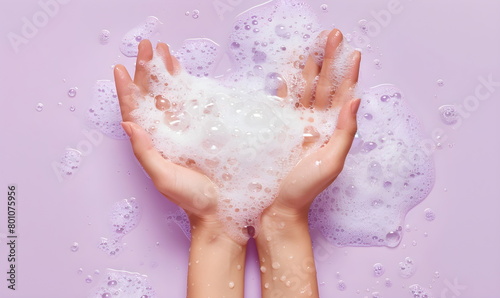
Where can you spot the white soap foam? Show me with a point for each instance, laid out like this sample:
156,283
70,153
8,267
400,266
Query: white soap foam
104,111
245,139
125,215
385,175
119,283
132,38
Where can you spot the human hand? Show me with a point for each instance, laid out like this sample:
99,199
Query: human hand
191,190
283,242
319,169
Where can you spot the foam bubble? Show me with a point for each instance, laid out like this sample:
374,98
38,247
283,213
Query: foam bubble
407,268
120,283
69,163
132,38
125,215
104,111
418,291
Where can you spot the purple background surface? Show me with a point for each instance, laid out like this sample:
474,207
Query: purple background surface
456,41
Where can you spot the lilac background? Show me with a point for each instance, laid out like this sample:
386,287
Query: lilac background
456,41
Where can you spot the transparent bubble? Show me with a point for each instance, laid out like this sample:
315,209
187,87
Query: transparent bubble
74,247
72,108
440,82
39,107
282,31
393,238
72,92
324,7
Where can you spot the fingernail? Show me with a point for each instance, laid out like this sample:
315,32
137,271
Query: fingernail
128,128
355,105
337,33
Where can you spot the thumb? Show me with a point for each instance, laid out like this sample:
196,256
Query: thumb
147,155
340,142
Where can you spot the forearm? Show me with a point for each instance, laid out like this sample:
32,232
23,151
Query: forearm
286,257
216,265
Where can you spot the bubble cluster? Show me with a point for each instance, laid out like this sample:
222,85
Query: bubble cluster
407,268
418,291
104,111
429,214
125,215
199,56
119,283
378,270
104,36
386,172
180,218
132,38
69,163
449,114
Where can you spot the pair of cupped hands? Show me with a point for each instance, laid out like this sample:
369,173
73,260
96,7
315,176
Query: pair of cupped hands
185,186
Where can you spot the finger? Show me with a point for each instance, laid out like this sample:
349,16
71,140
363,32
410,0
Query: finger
171,63
141,76
324,89
126,90
345,91
335,151
310,72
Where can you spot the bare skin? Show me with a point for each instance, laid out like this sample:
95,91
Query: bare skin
283,242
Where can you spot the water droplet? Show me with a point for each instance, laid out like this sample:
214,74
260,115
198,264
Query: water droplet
429,214
72,108
377,63
396,95
231,285
235,45
74,247
276,265
384,98
378,270
368,146
393,238
112,283
106,295
79,271
263,269
436,274
39,107
440,82
368,116
162,103
449,114
88,279
324,7
72,92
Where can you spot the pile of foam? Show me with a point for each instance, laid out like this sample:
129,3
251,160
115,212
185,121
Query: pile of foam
125,215
246,139
238,133
118,283
385,175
